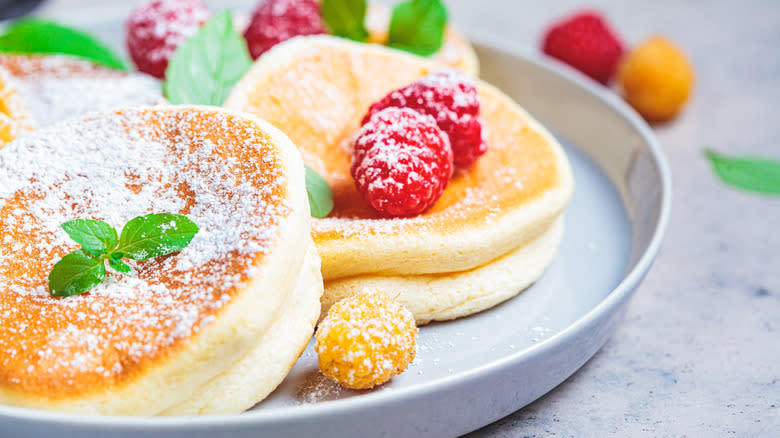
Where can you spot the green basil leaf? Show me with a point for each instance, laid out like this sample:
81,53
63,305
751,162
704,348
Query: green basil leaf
346,18
418,26
747,173
204,69
118,265
41,36
76,273
155,235
320,194
93,236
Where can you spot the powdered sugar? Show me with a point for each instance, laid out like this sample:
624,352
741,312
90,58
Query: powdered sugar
114,167
57,87
52,100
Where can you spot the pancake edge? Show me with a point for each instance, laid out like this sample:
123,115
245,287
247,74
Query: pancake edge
445,297
261,370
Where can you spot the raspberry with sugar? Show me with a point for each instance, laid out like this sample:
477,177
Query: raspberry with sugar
401,162
365,340
156,28
586,42
451,98
275,21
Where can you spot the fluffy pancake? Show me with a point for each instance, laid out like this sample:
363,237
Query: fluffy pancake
456,51
441,297
56,87
263,368
317,89
140,344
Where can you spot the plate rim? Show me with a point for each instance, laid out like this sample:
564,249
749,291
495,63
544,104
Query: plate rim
607,305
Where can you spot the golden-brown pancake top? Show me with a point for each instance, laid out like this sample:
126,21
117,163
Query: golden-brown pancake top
317,90
217,168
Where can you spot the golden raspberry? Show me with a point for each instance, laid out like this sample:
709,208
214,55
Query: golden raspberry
365,340
656,78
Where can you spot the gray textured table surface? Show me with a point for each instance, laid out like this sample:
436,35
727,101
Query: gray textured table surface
699,351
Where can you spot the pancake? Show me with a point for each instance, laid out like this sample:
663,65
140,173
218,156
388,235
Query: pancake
259,372
456,51
56,87
442,297
144,343
317,89
14,114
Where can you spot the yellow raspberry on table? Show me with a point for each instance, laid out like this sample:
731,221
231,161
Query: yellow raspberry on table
656,79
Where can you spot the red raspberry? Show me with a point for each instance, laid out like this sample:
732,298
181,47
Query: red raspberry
451,98
586,42
275,21
156,28
401,162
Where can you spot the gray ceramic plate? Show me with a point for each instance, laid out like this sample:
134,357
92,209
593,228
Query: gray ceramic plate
473,371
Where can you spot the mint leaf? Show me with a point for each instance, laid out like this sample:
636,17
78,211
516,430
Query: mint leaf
117,264
30,36
346,18
155,235
92,235
320,194
418,26
76,273
204,69
747,173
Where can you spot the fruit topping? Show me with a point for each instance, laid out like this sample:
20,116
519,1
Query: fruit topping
451,98
275,21
401,162
156,28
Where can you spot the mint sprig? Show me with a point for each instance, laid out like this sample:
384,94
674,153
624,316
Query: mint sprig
36,36
753,174
345,18
418,26
142,238
205,68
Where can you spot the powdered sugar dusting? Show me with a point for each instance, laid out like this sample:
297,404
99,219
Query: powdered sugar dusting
58,87
113,167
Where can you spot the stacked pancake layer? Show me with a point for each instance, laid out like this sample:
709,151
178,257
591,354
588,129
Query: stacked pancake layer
505,211
234,309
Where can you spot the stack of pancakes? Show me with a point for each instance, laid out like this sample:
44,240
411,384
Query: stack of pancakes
216,327
491,234
211,329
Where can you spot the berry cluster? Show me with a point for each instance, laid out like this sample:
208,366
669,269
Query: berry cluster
410,140
156,28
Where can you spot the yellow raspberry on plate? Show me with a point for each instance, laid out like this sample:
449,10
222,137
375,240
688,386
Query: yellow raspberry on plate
656,79
365,340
